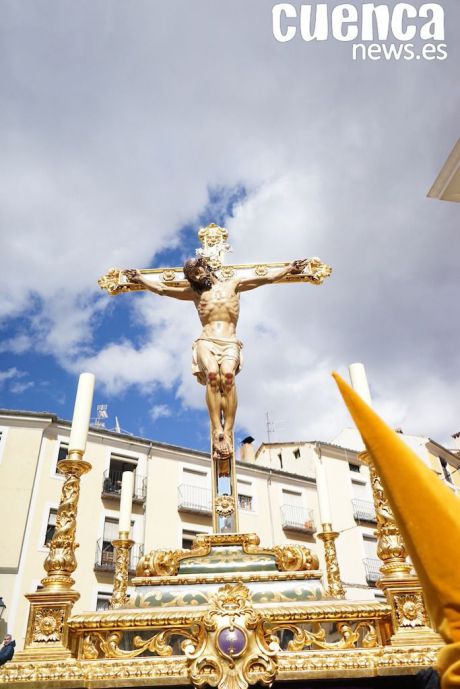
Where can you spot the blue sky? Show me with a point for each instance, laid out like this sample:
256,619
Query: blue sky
34,381
127,126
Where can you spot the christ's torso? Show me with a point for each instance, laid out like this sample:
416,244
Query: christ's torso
218,309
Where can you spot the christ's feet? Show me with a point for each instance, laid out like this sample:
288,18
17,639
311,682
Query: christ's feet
221,445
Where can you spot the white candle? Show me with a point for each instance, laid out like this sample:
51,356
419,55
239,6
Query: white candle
323,495
359,382
126,501
82,412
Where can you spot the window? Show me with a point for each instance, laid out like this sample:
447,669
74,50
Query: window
112,478
63,451
51,526
194,477
280,457
292,497
103,600
245,494
353,467
245,501
110,533
370,547
297,453
187,537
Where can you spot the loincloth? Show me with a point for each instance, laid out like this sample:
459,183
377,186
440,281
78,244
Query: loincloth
222,349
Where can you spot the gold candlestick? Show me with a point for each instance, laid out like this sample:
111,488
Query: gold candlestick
60,561
51,607
122,546
390,545
402,588
334,583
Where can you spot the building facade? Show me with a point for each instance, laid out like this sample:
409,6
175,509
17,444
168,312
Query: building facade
277,499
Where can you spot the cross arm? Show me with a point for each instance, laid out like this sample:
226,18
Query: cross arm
116,280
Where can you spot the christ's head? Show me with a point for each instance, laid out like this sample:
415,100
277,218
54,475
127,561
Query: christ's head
198,273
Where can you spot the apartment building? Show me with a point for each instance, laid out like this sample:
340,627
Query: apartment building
277,499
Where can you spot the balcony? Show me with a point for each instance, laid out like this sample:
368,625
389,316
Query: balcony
111,486
105,556
194,499
372,566
364,511
297,519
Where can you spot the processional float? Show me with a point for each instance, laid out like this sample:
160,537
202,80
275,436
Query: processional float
227,613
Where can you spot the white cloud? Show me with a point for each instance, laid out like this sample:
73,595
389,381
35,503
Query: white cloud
19,388
330,153
160,411
9,374
17,344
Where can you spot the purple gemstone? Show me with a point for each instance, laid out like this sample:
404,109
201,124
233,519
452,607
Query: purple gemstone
231,641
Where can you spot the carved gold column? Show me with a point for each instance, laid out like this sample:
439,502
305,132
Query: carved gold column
50,608
334,583
122,546
411,621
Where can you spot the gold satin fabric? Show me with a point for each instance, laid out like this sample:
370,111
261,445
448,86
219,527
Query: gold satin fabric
428,515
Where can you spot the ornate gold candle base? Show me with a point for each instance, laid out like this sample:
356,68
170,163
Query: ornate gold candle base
122,546
334,584
51,607
402,588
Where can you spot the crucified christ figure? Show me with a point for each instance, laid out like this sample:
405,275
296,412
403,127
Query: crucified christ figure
217,351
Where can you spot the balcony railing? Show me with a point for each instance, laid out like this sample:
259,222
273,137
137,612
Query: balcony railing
194,499
297,518
364,511
105,556
372,566
111,485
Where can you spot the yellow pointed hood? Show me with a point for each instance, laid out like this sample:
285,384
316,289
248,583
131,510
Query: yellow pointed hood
427,512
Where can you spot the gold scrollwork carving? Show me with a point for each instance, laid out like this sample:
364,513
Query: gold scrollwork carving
261,271
361,634
110,281
295,557
159,644
159,563
317,271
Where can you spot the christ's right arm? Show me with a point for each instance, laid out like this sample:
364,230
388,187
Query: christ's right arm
184,293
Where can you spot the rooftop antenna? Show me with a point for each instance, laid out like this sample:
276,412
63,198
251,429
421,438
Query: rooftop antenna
270,426
101,415
117,425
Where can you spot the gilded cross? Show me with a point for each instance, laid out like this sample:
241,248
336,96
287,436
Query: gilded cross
215,289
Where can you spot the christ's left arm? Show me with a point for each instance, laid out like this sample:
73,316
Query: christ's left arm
294,268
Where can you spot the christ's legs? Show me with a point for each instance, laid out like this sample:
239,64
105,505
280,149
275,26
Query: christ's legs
228,370
207,362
